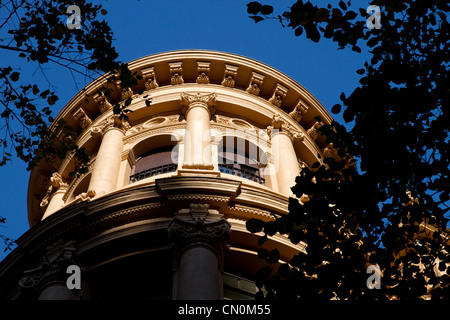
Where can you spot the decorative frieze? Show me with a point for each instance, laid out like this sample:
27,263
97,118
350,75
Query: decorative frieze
229,76
203,72
82,117
278,95
255,83
176,72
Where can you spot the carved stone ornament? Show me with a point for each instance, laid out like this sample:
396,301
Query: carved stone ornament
299,111
85,196
176,73
203,72
151,83
229,76
329,150
278,95
82,117
255,83
279,125
126,93
313,132
150,79
207,100
52,266
103,103
116,122
56,183
199,226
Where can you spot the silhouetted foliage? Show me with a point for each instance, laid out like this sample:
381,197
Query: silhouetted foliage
385,199
37,32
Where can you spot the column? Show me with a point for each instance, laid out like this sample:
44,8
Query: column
200,237
54,201
107,163
286,162
198,109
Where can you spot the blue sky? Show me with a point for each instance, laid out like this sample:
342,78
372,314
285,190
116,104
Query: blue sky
144,27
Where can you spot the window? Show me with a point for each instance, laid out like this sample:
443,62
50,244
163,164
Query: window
240,158
155,162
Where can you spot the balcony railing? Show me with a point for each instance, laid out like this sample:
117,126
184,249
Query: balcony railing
153,172
243,171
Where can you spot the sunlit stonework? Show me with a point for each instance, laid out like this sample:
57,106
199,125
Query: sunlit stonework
169,190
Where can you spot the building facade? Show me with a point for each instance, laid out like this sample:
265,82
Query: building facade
161,212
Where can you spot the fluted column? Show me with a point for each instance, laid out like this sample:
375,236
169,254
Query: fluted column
286,162
200,237
198,109
54,201
107,163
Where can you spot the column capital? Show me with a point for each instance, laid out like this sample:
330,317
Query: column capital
278,125
206,101
199,226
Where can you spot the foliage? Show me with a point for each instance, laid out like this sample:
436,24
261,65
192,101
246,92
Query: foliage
393,210
36,30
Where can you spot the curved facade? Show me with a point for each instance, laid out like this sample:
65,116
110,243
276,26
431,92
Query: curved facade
161,213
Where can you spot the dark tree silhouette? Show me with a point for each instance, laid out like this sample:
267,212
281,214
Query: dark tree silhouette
39,33
383,198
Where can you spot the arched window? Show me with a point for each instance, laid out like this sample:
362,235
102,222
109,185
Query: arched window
241,158
155,162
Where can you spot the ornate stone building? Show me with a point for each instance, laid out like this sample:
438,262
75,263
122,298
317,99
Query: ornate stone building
161,213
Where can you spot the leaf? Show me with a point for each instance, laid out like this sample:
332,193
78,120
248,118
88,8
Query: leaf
336,108
254,225
266,9
322,14
357,49
312,33
104,12
14,76
52,99
284,270
360,71
342,96
342,5
298,31
22,55
273,257
254,7
262,240
257,18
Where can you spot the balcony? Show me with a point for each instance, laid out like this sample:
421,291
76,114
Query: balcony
243,171
153,172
